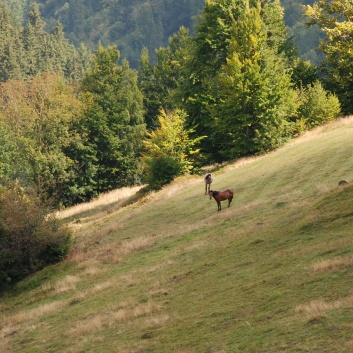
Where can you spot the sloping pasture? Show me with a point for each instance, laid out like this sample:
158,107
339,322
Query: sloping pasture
168,273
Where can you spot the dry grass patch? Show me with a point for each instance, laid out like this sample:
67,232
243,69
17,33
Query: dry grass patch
26,320
128,313
103,200
98,288
337,264
317,309
36,313
124,313
67,284
89,325
5,345
112,253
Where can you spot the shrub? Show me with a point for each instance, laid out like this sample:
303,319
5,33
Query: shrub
162,171
318,106
169,150
30,237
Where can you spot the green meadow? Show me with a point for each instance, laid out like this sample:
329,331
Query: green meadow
165,272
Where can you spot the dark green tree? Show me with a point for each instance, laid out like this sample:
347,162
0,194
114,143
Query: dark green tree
159,82
11,51
35,40
114,119
30,50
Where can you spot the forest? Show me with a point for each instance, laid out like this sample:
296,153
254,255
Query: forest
134,24
77,119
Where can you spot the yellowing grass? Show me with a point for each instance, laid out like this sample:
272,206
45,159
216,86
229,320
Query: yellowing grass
336,264
169,273
108,198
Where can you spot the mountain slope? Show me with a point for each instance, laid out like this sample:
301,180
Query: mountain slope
169,273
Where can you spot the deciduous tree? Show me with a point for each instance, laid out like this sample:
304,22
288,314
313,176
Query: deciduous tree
169,150
42,115
253,91
335,18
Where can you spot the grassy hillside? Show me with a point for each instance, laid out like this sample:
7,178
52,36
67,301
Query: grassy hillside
168,273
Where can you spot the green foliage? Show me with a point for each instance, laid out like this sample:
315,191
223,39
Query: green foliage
304,73
130,24
169,149
161,82
335,19
43,116
30,238
113,119
7,152
253,91
28,49
227,38
162,170
318,106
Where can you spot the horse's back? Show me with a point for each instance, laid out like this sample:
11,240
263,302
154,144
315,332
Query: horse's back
230,192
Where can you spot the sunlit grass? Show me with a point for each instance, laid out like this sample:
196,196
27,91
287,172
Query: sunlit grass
168,273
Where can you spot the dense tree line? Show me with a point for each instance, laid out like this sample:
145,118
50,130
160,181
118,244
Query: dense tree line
29,50
75,124
135,24
130,24
236,82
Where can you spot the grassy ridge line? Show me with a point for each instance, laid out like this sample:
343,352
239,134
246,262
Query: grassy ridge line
171,274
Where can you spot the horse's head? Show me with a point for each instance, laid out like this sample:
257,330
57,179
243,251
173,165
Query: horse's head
211,194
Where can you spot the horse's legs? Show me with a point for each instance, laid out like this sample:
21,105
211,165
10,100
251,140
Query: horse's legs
219,205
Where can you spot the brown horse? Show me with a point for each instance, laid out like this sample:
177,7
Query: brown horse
208,182
221,196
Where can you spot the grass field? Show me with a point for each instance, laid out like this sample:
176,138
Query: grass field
168,273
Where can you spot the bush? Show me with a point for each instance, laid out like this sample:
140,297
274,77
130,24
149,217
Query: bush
162,171
318,106
30,237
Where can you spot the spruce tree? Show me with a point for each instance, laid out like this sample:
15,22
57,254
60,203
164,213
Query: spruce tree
10,46
113,119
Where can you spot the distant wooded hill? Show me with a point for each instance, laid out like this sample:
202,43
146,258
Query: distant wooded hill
134,24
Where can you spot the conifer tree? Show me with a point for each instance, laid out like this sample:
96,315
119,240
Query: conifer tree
159,82
35,42
29,51
10,46
113,119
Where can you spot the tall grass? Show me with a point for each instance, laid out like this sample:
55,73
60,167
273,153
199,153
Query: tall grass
168,273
